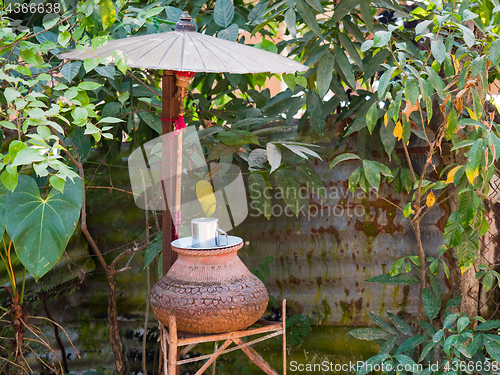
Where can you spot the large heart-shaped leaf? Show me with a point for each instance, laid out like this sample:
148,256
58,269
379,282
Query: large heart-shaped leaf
41,228
3,200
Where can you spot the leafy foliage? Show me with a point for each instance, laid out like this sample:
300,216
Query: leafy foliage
298,327
465,349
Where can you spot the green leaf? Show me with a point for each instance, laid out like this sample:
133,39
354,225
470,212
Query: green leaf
387,137
70,70
426,350
324,74
63,38
153,249
368,366
492,324
400,324
290,189
372,117
106,71
343,157
108,13
461,144
308,17
467,34
57,183
450,319
223,13
388,345
495,51
366,14
289,79
402,278
354,179
397,267
173,14
346,42
3,201
316,5
381,38
341,10
466,252
455,301
438,336
237,137
368,333
436,81
421,28
273,156
453,230
110,120
89,85
468,121
221,150
431,304
476,153
412,91
367,44
372,173
434,266
27,156
462,323
261,198
381,323
410,344
315,111
463,350
41,227
345,65
10,94
438,50
231,33
9,178
290,22
30,57
79,114
89,64
384,82
152,119
312,180
50,20
492,348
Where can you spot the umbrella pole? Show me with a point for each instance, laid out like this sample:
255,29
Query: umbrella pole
178,184
182,83
170,110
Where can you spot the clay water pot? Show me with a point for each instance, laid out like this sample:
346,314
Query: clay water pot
209,291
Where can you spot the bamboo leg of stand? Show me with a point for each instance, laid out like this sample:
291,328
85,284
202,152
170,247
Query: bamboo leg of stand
214,357
255,357
163,357
213,365
172,347
187,349
283,314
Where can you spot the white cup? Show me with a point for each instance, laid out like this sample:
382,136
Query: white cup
205,232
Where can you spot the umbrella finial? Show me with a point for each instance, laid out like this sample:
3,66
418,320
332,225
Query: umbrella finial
185,23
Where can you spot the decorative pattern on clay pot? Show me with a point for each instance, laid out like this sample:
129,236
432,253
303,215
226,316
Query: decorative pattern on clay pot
209,291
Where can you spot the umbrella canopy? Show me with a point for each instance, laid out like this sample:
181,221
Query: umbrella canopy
184,50
191,51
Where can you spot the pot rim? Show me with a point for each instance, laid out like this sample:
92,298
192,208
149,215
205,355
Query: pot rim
208,252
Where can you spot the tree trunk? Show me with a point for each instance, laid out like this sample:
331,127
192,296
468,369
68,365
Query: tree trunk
114,331
17,323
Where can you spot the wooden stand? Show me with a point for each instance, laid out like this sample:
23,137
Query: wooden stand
175,340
